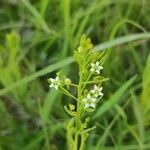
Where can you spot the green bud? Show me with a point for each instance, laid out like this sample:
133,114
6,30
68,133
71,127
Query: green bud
67,81
71,107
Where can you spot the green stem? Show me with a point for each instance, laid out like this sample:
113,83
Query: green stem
45,130
78,114
64,91
72,84
85,82
95,82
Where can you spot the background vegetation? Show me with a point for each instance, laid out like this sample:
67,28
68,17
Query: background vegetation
37,37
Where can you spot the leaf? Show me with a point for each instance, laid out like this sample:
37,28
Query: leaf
35,75
37,15
52,95
13,46
114,99
145,97
121,40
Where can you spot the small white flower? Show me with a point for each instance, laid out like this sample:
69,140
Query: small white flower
96,67
89,101
97,91
54,83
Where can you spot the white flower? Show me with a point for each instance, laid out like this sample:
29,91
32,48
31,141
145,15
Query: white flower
97,91
89,101
96,67
54,83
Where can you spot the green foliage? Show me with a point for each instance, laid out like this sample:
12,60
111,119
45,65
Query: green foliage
37,39
9,56
145,97
114,99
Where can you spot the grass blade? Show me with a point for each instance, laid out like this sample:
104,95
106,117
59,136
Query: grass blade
114,99
37,15
33,76
122,40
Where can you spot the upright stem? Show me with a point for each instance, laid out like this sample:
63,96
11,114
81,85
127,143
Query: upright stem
78,114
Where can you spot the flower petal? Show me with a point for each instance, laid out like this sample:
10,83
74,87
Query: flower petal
97,71
93,99
86,105
101,94
88,96
97,64
52,80
93,105
56,87
100,67
92,70
51,85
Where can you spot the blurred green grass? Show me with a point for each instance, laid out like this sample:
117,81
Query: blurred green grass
40,38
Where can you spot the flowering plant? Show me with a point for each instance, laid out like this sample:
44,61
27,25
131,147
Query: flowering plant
88,92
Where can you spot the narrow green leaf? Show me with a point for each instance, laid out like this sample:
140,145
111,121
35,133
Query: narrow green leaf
35,75
122,40
114,99
145,97
37,15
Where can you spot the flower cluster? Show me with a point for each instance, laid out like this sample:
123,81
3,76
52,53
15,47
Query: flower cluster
96,67
92,98
89,101
85,45
94,95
